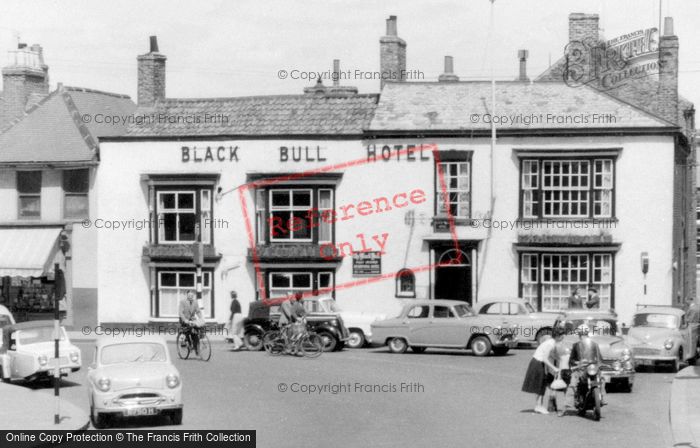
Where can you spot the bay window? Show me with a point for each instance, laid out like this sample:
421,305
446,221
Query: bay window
563,188
547,280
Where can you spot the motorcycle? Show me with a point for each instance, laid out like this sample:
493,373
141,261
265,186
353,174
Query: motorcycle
587,394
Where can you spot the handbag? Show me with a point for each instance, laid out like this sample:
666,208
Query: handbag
558,383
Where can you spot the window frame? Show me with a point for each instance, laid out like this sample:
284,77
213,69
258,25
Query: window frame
315,274
399,293
67,194
21,195
438,201
539,190
156,311
206,230
539,284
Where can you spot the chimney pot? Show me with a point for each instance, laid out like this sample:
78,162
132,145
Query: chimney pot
522,56
449,75
336,72
21,45
668,26
391,29
154,44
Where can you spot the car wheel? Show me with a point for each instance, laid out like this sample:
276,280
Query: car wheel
330,343
253,341
398,345
176,417
678,361
415,349
542,334
356,339
99,420
481,346
500,351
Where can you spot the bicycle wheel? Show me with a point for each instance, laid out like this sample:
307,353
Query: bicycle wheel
311,345
273,342
204,347
183,346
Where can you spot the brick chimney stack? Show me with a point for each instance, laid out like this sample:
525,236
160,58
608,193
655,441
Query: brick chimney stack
392,54
667,102
583,27
151,76
522,57
449,75
26,76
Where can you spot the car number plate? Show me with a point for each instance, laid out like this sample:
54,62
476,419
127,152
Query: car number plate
65,370
140,411
645,362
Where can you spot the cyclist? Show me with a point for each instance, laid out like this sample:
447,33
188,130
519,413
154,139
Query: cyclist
292,311
191,320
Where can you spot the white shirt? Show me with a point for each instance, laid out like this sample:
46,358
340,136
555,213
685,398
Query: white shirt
544,350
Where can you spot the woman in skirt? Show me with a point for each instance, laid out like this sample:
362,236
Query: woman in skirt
537,378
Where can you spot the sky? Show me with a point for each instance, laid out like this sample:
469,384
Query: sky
219,48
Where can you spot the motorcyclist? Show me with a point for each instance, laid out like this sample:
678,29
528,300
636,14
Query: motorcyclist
585,351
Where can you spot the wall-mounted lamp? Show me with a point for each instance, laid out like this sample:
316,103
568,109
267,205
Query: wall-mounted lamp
645,262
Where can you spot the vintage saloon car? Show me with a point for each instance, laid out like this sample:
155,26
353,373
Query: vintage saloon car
618,360
662,335
28,351
424,324
133,377
320,319
532,325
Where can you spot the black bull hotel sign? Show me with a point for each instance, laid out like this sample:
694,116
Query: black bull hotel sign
610,64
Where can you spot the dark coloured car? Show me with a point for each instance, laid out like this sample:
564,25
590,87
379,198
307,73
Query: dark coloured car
328,325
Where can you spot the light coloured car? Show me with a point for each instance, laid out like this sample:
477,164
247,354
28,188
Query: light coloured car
424,324
532,325
618,360
662,335
28,351
133,377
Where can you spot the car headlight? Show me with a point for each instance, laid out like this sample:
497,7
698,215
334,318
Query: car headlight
617,365
626,354
628,365
43,360
592,369
103,384
668,344
172,381
75,357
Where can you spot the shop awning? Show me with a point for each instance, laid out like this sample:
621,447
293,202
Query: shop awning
28,252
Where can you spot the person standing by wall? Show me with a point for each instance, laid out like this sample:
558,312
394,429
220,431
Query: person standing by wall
575,301
235,323
593,298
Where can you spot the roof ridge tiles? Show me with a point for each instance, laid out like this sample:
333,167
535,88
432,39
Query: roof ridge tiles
99,92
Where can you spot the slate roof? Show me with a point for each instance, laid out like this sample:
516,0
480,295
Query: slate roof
452,106
308,114
54,131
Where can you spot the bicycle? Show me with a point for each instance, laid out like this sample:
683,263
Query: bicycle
185,346
301,341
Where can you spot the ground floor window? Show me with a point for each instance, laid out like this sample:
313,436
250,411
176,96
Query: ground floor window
173,287
405,283
548,280
286,283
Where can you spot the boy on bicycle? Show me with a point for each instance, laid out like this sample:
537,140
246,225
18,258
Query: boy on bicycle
292,311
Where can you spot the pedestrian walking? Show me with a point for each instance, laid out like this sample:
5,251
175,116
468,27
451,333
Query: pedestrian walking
537,379
234,325
692,312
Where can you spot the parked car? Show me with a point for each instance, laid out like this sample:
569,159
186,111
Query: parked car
359,324
662,335
28,351
133,377
532,325
326,323
6,317
424,324
617,368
